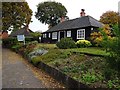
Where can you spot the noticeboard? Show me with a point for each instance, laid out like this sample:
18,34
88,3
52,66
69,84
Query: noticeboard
20,37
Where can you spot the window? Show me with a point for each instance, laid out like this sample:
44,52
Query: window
92,29
54,35
81,34
49,35
68,33
45,35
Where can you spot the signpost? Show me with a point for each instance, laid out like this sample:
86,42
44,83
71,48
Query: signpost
21,38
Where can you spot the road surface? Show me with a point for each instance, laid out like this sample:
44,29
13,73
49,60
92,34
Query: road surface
18,73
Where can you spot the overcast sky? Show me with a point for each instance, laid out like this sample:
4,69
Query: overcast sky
94,8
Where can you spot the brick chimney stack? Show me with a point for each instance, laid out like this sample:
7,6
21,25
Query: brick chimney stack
82,12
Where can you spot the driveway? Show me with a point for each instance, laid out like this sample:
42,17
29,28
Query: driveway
18,73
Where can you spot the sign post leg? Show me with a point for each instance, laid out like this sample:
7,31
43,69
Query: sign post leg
24,41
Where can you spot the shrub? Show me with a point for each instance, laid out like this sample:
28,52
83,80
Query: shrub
16,47
9,42
97,37
83,43
28,47
66,43
113,47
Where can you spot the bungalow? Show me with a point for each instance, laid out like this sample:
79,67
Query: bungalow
79,28
23,31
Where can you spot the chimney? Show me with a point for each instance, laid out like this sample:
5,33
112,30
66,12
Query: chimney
82,12
62,19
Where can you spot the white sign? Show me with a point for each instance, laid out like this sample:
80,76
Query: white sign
20,37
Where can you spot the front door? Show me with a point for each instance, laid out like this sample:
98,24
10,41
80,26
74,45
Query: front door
61,34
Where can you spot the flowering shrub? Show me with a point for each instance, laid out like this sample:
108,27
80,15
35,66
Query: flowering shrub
83,43
29,47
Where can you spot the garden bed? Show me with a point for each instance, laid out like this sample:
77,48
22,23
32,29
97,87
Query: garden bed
88,69
76,68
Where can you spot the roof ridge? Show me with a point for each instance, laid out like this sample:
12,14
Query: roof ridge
75,18
76,23
89,19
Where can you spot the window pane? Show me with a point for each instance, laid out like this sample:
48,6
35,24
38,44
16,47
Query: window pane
49,35
81,34
45,35
68,33
54,35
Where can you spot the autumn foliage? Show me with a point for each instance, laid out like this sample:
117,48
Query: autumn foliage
109,17
97,37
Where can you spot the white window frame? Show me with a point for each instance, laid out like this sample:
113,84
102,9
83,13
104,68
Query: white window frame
49,35
45,35
54,35
59,36
92,29
68,33
78,34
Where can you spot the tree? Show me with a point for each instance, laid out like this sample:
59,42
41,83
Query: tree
97,37
113,47
36,35
15,15
109,17
50,12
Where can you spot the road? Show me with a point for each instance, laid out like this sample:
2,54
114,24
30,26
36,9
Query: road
18,73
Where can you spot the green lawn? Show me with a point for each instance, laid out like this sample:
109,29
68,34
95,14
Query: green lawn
90,50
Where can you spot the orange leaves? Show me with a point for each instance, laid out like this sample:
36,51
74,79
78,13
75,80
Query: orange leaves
109,17
97,37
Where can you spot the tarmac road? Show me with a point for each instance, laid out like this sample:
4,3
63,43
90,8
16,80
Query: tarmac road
17,74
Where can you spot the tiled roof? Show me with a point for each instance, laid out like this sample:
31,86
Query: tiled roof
81,22
22,31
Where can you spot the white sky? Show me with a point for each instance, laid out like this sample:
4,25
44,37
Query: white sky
94,8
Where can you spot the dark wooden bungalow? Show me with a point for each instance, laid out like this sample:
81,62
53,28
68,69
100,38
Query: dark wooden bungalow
79,28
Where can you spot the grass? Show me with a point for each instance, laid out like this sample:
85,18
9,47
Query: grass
90,50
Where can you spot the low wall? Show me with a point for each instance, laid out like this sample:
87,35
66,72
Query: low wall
61,77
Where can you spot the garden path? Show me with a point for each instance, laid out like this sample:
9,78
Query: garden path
18,73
